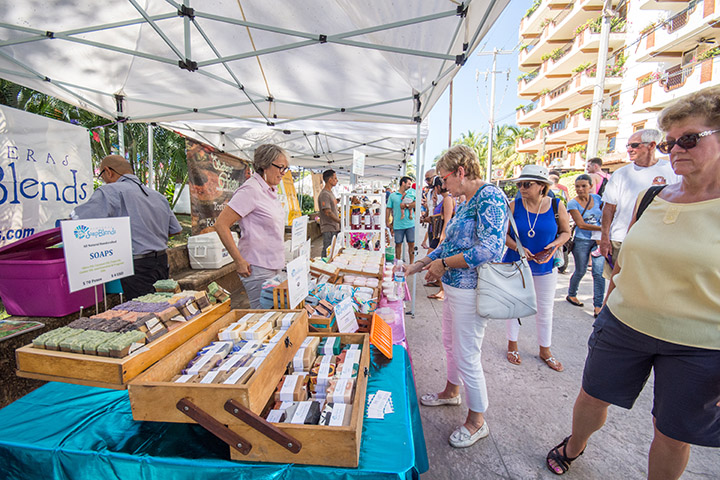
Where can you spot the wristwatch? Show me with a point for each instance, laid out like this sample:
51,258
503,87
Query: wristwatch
445,264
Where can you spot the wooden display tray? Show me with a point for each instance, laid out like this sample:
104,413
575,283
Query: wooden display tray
321,445
107,372
319,273
153,395
281,296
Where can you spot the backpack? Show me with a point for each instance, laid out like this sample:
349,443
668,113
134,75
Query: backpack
601,190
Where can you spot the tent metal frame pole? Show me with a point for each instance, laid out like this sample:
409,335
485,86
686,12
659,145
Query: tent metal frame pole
151,156
157,29
419,163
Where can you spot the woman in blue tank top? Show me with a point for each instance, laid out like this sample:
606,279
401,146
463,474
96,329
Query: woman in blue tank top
541,235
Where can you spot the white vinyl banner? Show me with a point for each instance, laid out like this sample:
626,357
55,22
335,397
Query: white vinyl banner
45,172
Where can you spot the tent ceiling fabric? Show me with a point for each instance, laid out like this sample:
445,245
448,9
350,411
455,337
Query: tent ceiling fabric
268,64
314,144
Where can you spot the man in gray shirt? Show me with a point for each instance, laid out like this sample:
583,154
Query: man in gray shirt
329,219
151,221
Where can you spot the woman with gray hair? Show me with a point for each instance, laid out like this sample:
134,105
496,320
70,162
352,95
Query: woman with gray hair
260,253
475,235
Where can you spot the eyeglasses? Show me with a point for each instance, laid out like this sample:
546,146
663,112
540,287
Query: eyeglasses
429,179
282,169
446,176
525,184
634,145
99,175
686,141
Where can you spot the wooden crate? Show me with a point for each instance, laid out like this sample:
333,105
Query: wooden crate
154,397
321,445
281,297
96,371
322,324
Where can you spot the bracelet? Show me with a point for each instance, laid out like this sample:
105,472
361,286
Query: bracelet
445,264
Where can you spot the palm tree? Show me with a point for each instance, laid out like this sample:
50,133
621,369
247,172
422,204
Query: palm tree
478,142
505,155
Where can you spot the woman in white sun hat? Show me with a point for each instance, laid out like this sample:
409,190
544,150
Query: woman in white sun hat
544,226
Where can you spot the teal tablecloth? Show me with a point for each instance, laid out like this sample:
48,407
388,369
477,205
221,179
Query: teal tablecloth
63,431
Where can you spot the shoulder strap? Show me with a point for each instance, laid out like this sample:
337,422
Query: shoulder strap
647,199
604,182
555,201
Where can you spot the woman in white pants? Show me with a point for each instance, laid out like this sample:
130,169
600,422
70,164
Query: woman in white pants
542,232
475,235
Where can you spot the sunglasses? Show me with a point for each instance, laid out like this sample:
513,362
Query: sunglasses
282,169
686,141
525,184
635,145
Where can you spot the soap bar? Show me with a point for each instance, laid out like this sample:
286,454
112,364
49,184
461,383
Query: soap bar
276,416
168,285
238,376
290,389
336,415
341,390
307,412
258,331
329,346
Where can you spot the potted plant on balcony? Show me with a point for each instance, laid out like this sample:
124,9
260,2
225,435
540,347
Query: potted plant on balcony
713,52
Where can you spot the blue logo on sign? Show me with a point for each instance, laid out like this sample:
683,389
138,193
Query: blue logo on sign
83,231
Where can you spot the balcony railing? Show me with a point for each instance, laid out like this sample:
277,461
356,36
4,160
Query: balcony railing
675,77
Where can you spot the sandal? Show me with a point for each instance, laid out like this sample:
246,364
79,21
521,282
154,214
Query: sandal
437,296
554,364
561,459
513,356
574,302
431,284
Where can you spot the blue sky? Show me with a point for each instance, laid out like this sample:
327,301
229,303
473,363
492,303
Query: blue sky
471,98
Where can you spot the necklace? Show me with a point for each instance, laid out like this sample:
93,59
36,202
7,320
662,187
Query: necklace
531,232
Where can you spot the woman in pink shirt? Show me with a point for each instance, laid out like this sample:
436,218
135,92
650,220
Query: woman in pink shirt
260,253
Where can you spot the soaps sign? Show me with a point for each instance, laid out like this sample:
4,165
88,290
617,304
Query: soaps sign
45,172
96,251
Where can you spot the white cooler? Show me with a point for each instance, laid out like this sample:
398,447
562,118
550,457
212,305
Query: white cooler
207,251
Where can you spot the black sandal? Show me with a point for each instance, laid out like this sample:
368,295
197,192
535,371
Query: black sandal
560,459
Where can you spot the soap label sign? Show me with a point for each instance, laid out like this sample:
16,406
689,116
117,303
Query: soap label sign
96,251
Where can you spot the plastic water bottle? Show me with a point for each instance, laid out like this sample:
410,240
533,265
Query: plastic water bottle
399,279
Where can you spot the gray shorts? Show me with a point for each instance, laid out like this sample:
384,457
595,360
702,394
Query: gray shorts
405,233
253,283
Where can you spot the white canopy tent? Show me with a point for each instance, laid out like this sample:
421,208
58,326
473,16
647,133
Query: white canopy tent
269,64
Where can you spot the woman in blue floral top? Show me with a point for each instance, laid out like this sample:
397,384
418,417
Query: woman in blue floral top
475,235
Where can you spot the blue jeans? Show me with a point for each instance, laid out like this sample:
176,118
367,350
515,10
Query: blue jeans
581,254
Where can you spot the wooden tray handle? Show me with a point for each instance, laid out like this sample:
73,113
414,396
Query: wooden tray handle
213,426
263,426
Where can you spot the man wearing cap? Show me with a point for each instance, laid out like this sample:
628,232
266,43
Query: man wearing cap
622,190
151,221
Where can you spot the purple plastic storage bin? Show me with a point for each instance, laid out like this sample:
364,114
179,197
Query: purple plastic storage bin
33,278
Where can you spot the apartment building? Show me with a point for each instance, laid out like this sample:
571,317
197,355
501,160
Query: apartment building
659,50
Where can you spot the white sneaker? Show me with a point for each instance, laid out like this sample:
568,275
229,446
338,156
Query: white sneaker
462,438
432,400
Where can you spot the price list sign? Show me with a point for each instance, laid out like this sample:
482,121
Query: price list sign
96,251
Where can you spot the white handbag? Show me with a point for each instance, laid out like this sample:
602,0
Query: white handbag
506,290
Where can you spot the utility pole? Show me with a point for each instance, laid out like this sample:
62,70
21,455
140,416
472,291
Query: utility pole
491,119
599,92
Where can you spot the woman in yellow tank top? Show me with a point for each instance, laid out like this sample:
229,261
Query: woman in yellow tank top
662,311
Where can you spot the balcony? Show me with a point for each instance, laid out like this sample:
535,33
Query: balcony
571,95
565,16
663,89
532,25
670,5
680,32
561,30
577,129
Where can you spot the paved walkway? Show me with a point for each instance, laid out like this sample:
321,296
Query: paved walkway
531,405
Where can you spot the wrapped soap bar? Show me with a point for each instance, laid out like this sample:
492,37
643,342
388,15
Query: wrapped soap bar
276,416
347,369
238,376
184,379
277,336
233,332
120,345
305,356
285,321
290,411
202,301
233,361
291,389
329,346
307,413
213,376
341,390
336,415
155,328
258,331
